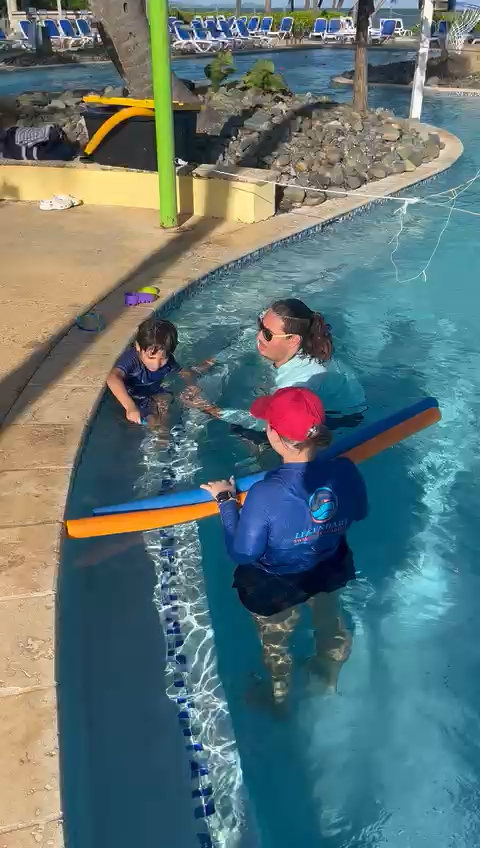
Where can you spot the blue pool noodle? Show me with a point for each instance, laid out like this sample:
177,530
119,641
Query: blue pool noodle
346,443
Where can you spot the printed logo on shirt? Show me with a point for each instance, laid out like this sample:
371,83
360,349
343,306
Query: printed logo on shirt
323,505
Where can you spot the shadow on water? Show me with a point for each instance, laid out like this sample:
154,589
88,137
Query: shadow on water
125,771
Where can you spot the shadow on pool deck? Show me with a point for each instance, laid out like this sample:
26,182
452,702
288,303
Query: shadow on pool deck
148,271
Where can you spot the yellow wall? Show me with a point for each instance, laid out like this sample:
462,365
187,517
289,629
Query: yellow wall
213,197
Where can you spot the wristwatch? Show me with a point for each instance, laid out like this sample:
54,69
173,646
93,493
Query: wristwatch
225,496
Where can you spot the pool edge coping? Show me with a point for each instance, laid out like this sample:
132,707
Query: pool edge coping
429,89
260,238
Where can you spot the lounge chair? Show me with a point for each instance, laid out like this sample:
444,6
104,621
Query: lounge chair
241,31
183,40
284,31
7,43
319,29
217,35
25,30
68,32
85,29
252,25
400,30
386,31
264,28
56,36
229,35
334,30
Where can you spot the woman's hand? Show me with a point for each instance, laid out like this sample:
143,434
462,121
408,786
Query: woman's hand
215,487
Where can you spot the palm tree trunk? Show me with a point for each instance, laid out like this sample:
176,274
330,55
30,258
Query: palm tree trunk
268,7
360,79
123,27
307,5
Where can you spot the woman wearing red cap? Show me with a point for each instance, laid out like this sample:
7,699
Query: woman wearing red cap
289,540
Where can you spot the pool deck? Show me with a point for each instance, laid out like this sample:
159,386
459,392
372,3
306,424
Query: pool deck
57,265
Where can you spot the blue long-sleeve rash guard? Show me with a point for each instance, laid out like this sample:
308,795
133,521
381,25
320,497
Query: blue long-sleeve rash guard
297,516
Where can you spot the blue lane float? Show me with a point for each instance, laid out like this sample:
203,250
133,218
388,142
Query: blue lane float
361,436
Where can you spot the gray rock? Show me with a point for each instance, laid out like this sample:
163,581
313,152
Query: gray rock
389,158
282,161
321,178
398,168
294,194
303,180
377,173
416,156
57,105
404,151
392,134
112,91
33,98
333,156
314,198
409,166
337,176
353,182
431,152
433,81
259,121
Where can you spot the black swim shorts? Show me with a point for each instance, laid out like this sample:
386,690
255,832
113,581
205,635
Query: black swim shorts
266,593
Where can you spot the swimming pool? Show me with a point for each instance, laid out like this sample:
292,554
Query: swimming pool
394,758
302,69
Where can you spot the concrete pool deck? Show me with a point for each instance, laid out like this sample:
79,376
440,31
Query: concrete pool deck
56,266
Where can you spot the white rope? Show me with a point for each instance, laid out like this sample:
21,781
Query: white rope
451,195
423,273
356,193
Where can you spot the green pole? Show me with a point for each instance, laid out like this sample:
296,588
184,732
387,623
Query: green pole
162,95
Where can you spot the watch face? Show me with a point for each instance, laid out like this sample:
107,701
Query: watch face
224,496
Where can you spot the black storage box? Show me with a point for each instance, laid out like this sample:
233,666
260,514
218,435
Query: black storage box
132,144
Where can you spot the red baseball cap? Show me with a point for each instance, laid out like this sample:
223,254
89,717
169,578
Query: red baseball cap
292,412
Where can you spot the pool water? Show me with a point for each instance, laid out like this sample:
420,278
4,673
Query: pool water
394,758
302,70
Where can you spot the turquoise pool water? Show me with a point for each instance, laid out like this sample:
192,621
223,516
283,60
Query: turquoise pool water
393,759
301,69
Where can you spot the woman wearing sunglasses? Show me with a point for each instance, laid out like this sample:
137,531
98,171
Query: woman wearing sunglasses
298,343
289,541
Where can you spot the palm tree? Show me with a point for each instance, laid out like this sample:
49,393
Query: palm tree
268,7
123,27
365,8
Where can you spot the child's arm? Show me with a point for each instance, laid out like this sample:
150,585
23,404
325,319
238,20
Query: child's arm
191,396
195,371
115,382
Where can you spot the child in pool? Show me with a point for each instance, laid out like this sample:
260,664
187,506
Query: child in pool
137,378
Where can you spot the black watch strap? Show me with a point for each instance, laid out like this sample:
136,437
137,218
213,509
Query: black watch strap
225,496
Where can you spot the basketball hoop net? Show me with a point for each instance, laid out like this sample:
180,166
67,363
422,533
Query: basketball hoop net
462,27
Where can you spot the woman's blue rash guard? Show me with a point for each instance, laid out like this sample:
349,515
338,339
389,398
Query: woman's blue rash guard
296,517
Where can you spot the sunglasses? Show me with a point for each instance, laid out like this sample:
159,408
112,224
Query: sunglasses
267,334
